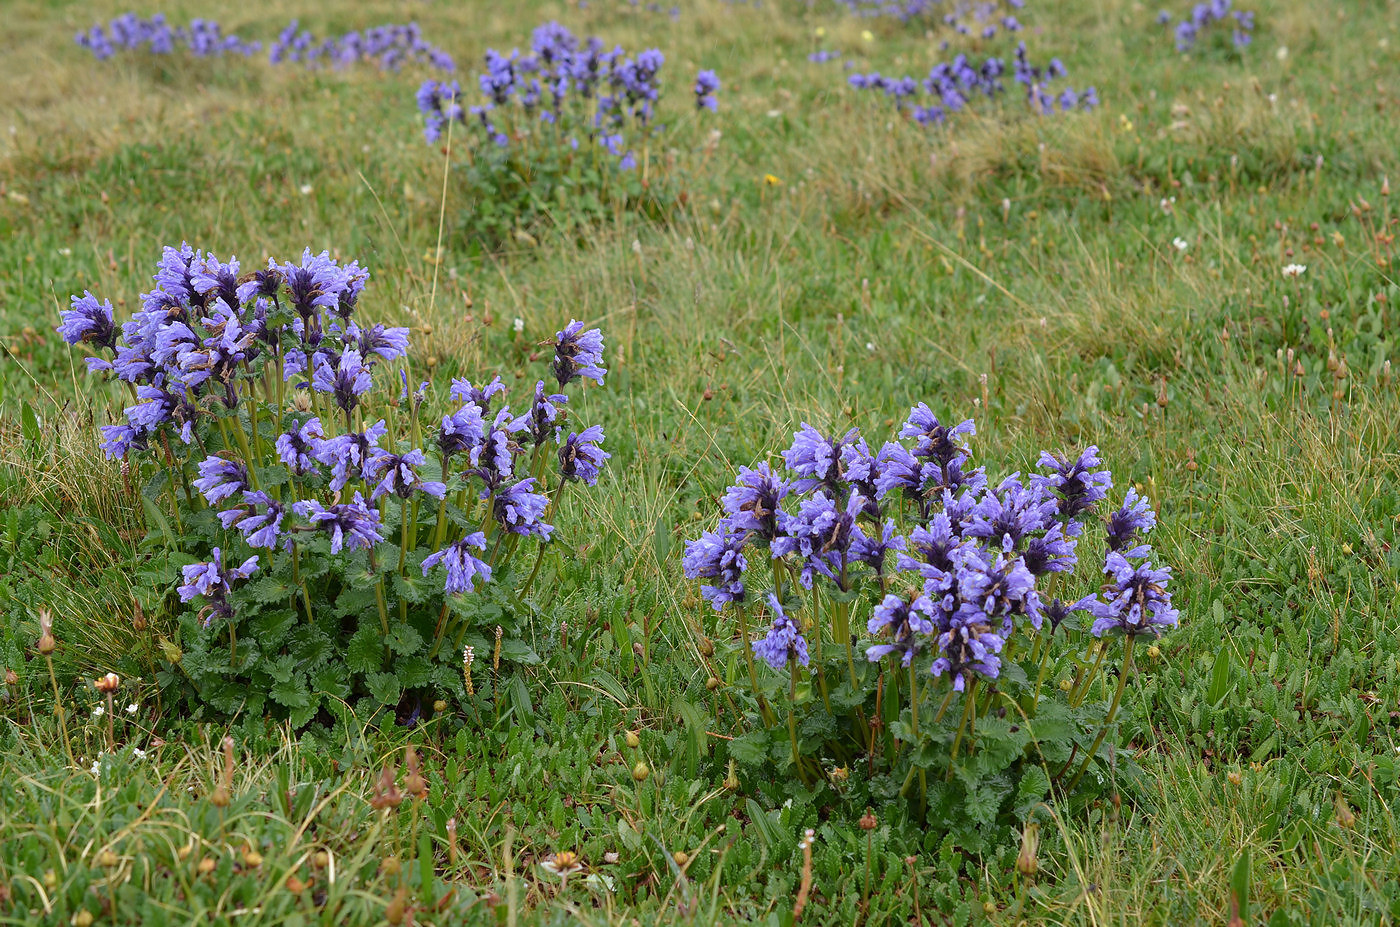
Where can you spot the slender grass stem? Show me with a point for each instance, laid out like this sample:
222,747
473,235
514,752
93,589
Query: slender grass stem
1112,713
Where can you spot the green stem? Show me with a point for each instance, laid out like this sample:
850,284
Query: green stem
753,673
1081,684
297,578
1112,712
965,725
792,724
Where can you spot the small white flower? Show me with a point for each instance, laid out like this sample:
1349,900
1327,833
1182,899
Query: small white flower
66,252
1180,244
1295,270
133,708
1282,53
519,325
774,113
99,711
1167,203
306,189
870,346
137,753
97,767
636,246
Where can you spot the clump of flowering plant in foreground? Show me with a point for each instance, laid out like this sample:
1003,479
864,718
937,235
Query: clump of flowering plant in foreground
913,619
340,530
560,128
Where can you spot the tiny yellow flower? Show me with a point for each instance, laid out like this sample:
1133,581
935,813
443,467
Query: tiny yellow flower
867,36
771,180
821,32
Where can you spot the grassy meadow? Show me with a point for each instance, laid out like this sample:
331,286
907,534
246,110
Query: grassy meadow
1112,278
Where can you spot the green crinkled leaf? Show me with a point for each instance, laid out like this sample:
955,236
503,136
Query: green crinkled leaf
299,716
749,749
404,639
268,589
357,601
311,646
384,688
291,693
332,681
415,590
413,671
273,625
1032,789
280,667
365,651
518,651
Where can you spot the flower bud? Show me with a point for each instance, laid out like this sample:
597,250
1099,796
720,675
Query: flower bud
395,911
252,858
633,740
706,647
11,677
439,706
46,644
83,918
320,859
206,865
1027,863
681,857
108,684
1346,818
107,859
391,866
868,821
712,683
640,771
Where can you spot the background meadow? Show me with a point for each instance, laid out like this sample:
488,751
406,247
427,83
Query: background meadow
1111,277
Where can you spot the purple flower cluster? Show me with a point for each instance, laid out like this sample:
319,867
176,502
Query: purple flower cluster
389,47
970,554
579,89
210,342
951,86
213,580
783,643
203,38
1204,16
980,18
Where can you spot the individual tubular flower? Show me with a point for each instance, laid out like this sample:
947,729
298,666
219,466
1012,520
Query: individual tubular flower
220,478
213,581
861,470
377,340
352,525
995,587
299,447
718,556
1127,525
1078,482
1056,611
1136,601
346,381
398,474
463,567
935,441
213,279
752,504
909,623
578,353
259,519
87,320
874,551
580,457
931,550
1052,552
815,459
820,534
544,413
461,431
520,510
968,647
1007,516
348,454
706,86
783,642
479,396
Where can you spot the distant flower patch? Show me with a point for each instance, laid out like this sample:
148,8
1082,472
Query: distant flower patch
549,131
1205,18
203,38
389,47
980,18
954,86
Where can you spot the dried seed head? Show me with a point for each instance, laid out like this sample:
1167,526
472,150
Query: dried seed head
386,791
394,913
439,706
413,781
11,677
868,821
706,646
47,644
1027,862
